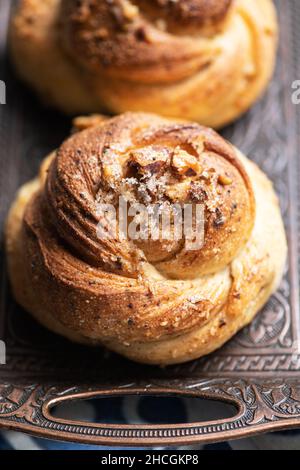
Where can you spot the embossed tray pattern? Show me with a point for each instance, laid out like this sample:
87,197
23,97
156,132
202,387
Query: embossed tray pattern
258,371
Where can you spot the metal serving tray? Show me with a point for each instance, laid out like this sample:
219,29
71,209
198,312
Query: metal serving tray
258,371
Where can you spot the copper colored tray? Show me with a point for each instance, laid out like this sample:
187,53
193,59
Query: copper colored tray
258,371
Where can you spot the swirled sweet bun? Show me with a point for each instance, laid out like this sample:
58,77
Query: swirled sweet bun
201,60
153,300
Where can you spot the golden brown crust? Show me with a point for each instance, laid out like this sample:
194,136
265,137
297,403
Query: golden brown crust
201,60
148,159
125,40
187,12
130,296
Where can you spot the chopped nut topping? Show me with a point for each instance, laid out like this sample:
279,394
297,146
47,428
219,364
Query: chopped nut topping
179,191
102,33
107,171
205,175
130,11
224,180
185,164
155,167
146,156
197,192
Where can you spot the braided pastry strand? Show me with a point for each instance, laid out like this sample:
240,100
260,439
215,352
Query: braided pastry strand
200,60
153,301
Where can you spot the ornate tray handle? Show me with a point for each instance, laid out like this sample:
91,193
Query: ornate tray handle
261,407
141,434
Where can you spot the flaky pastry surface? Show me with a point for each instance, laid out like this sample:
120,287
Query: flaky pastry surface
201,60
152,301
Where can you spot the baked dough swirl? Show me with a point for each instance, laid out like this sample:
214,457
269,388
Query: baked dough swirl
201,60
153,301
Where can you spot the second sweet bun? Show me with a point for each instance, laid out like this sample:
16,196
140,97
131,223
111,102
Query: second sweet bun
153,301
206,61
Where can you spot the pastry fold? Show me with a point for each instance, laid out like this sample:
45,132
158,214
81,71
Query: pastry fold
200,60
152,300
